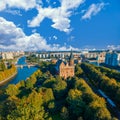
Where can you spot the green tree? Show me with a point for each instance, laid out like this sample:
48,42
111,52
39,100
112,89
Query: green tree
47,96
78,71
76,104
2,66
29,108
59,89
99,110
64,113
12,90
49,82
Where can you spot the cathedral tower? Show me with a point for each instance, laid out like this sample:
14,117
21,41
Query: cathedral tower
71,59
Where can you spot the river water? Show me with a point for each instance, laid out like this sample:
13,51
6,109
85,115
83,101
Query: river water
24,72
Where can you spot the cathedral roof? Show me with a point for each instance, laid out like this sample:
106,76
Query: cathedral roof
59,62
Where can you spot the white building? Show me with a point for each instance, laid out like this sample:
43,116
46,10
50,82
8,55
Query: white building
101,57
7,55
119,58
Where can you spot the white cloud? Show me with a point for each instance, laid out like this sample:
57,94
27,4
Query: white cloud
59,16
48,1
70,4
55,37
14,12
34,31
13,38
2,5
93,10
22,4
71,38
113,47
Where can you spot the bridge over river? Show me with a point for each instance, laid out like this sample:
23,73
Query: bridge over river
26,65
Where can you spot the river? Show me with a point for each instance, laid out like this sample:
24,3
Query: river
23,73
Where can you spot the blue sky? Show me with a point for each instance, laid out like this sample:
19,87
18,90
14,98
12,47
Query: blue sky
59,24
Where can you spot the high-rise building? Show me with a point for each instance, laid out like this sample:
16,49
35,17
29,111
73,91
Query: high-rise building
112,59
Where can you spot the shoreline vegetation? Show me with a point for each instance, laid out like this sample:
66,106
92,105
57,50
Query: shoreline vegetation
7,75
5,81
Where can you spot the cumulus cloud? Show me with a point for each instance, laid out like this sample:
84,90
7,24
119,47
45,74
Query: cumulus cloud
2,5
22,4
59,16
93,10
113,47
13,38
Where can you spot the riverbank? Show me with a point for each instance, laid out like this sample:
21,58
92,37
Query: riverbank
22,74
3,82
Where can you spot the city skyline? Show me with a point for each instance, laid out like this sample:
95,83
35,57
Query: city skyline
59,25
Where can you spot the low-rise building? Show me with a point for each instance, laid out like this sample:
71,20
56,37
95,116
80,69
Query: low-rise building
101,57
65,69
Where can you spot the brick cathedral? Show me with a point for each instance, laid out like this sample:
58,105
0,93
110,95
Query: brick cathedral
66,69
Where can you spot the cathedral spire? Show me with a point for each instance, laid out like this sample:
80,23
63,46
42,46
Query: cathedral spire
71,59
71,55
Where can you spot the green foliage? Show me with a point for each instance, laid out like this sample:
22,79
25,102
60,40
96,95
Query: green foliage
7,73
59,89
71,82
29,108
94,104
110,73
2,66
78,71
21,84
32,58
47,97
44,66
51,107
12,90
77,105
49,82
100,112
29,84
109,85
56,117
64,113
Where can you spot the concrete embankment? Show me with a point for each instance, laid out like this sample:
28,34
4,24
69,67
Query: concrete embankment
3,82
